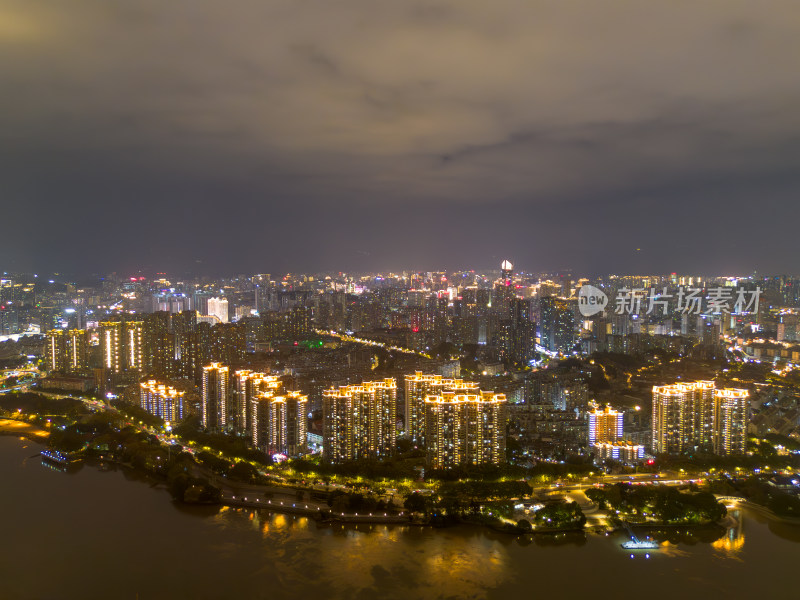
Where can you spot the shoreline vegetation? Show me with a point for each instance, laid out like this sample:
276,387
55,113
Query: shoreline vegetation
206,476
657,505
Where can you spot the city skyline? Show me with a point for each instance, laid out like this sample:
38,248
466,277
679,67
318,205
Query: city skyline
614,138
487,276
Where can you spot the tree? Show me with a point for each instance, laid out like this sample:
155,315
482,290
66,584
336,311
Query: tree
525,525
416,502
785,505
597,496
403,445
560,516
446,350
243,471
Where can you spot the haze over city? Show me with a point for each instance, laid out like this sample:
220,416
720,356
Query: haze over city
298,136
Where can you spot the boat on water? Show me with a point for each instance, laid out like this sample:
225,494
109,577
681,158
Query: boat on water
640,545
636,544
55,456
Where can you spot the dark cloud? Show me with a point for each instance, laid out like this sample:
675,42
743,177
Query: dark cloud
366,135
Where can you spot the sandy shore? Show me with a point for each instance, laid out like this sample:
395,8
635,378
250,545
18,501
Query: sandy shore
23,429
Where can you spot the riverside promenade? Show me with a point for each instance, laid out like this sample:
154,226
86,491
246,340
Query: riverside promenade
282,502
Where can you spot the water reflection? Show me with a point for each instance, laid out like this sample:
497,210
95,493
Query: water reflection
732,541
260,554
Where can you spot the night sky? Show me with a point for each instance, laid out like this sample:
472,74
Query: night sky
274,136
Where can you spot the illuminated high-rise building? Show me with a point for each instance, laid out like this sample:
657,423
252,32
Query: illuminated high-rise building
186,356
259,420
218,307
216,403
226,343
506,269
702,425
557,324
122,345
623,451
696,416
247,386
279,422
112,339
419,387
523,332
54,350
66,350
159,345
605,425
503,295
670,418
465,429
731,408
77,350
162,400
359,421
134,345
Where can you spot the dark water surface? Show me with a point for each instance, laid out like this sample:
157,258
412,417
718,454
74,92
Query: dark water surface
110,534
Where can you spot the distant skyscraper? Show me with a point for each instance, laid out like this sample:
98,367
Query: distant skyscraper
557,324
159,345
523,342
359,421
506,269
227,343
688,416
215,401
465,429
218,307
503,296
789,328
184,330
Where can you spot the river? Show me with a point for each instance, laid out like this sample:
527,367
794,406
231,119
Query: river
91,534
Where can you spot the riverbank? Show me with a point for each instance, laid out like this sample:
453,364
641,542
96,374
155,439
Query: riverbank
765,512
24,429
103,523
313,510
